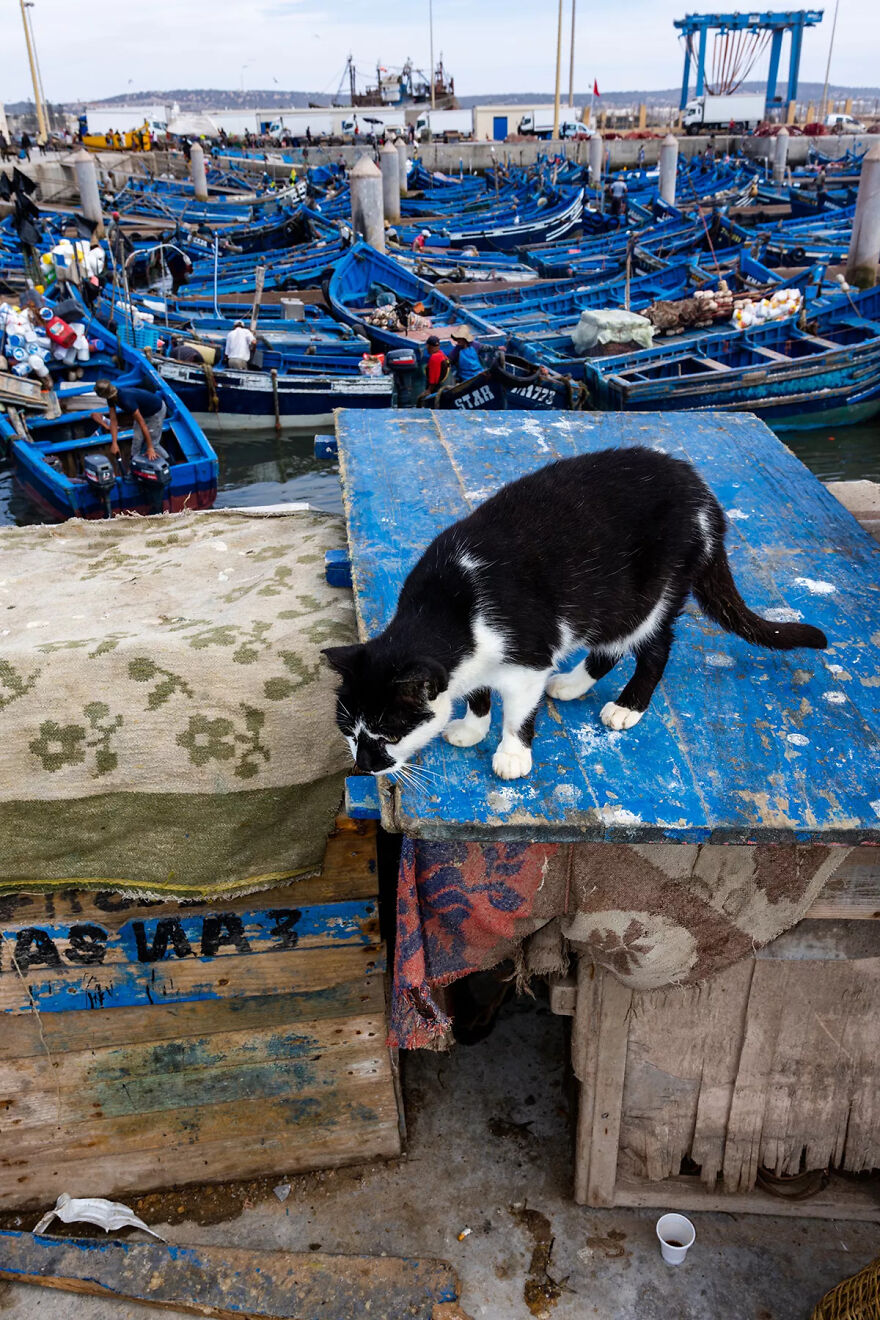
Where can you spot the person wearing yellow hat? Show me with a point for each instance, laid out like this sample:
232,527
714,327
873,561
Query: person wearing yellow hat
464,356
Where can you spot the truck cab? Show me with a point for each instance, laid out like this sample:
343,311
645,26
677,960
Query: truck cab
844,124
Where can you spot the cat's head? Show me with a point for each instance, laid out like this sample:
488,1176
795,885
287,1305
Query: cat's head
387,707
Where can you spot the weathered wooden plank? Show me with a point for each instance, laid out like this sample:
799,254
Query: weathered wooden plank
310,1100
741,744
130,984
346,1136
356,992
194,1070
746,1118
608,1094
721,1020
229,1282
841,1199
853,891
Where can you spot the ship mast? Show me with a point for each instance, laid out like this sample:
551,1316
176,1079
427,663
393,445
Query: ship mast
42,127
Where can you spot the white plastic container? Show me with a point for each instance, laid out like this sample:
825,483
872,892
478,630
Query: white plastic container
677,1235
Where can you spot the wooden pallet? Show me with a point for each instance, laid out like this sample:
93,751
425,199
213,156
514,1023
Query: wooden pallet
152,1044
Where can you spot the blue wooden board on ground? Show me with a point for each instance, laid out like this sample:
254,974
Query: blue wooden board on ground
740,744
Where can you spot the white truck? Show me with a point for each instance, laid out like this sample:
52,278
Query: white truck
295,123
370,119
844,124
739,111
441,123
540,125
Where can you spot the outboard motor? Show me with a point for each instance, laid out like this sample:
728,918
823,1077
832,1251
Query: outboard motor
100,475
153,475
405,369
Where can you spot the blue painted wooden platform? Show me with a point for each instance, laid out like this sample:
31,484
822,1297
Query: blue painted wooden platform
740,744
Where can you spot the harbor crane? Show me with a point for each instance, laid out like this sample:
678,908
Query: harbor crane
740,40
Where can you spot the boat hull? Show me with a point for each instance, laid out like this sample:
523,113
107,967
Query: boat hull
251,399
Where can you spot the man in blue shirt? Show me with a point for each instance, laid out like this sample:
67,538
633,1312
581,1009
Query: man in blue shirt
464,356
147,412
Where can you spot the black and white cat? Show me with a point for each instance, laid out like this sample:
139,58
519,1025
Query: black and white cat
596,552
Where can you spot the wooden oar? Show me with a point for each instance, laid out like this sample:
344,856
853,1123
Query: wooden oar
231,1283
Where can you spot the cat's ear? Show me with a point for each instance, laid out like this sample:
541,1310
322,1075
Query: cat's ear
344,659
421,682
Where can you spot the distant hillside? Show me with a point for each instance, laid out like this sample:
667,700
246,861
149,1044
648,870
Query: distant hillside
215,98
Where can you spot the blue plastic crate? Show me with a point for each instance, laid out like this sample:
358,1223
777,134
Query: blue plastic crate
140,336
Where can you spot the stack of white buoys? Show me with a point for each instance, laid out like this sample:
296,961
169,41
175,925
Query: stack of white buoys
778,307
72,261
28,347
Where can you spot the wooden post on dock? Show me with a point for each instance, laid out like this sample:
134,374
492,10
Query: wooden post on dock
367,212
389,164
668,168
596,151
780,155
197,170
864,245
87,186
403,163
259,281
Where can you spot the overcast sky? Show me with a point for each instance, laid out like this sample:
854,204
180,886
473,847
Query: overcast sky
114,46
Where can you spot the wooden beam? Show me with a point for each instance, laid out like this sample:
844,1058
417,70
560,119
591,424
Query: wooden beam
230,1283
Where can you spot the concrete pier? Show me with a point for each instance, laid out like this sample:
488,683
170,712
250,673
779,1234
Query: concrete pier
864,246
367,212
389,165
87,186
403,161
197,170
597,148
668,168
780,155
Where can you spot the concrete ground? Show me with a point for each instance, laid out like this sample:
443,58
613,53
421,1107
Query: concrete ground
489,1150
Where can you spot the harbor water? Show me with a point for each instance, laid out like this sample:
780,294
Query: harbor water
268,469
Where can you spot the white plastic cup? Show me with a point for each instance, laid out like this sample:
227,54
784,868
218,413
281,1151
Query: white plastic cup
676,1235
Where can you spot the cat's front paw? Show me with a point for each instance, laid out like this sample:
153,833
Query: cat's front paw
619,717
512,764
465,733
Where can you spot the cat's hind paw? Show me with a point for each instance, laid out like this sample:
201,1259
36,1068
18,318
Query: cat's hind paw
619,717
566,687
513,764
467,732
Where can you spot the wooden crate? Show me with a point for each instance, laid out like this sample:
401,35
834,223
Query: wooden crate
152,1044
773,1060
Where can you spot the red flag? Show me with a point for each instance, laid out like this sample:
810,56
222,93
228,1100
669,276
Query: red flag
595,88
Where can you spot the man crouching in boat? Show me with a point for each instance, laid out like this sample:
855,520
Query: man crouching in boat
147,412
465,356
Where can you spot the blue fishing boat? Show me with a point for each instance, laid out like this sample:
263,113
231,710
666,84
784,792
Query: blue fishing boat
509,384
227,400
824,374
63,463
367,287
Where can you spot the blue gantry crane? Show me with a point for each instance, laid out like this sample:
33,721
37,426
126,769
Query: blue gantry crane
740,40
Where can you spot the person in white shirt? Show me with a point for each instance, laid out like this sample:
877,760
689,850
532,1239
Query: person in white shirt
240,343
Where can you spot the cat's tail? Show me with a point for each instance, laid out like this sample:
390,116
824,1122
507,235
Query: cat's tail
718,596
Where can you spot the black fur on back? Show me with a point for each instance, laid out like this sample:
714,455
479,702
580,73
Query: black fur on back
587,544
